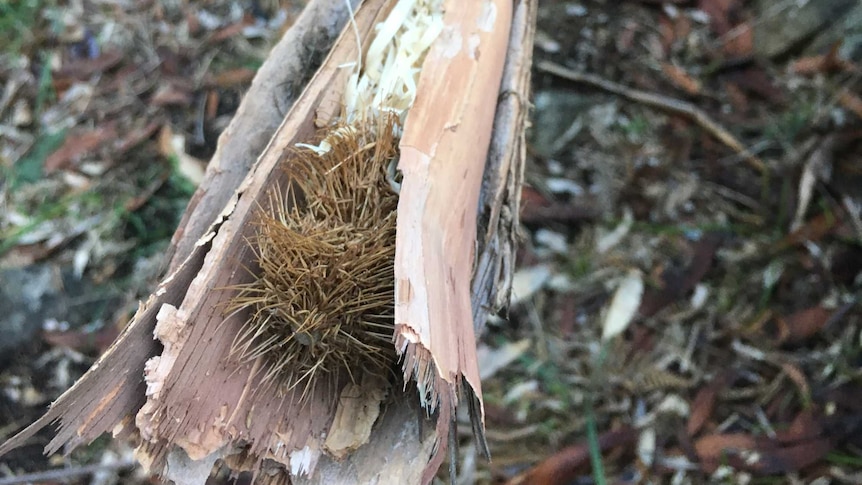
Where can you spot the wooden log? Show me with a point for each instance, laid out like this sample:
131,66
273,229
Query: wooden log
200,407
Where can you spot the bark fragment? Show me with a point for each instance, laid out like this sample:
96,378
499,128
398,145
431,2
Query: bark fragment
443,153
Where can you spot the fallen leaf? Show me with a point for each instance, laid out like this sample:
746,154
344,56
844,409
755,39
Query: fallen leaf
737,97
719,12
527,281
25,254
647,446
713,449
624,305
851,102
804,427
78,145
492,360
682,26
703,404
537,209
824,63
172,95
812,230
676,283
790,458
607,240
83,341
563,467
229,31
739,42
802,325
798,377
212,104
666,33
818,167
173,147
755,80
233,77
81,69
136,136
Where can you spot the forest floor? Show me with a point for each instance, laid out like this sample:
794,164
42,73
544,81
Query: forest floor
686,301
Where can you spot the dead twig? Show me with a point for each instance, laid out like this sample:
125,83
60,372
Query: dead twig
63,474
665,103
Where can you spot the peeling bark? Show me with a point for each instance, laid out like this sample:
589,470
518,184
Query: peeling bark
443,154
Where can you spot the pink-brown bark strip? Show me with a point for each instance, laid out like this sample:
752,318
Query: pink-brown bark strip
443,152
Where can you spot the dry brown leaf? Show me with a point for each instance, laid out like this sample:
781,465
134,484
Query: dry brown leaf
233,77
851,101
173,147
805,426
719,12
211,109
813,230
136,136
676,282
229,31
565,465
713,449
78,145
172,94
755,80
790,458
703,404
798,377
83,341
825,63
682,27
739,43
81,69
737,97
802,325
667,33
681,79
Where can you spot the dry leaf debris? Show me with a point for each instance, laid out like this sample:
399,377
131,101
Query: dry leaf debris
745,328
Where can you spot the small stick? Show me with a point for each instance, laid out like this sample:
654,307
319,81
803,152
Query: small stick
61,474
665,103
